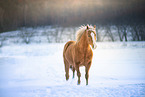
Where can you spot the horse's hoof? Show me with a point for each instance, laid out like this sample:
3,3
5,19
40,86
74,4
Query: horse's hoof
73,77
78,83
67,79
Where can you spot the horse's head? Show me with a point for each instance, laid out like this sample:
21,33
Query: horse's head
91,36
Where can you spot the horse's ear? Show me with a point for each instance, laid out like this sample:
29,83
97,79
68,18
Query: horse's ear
87,27
94,26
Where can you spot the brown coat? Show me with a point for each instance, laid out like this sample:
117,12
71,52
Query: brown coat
78,54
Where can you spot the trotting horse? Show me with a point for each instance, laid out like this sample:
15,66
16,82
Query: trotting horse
79,53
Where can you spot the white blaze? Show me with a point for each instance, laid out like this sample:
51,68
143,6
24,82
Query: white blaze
94,42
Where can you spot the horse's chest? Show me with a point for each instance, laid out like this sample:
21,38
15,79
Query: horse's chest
84,58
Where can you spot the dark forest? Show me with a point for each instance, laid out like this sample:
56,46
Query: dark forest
31,13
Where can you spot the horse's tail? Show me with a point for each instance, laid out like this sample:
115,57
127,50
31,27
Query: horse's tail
66,46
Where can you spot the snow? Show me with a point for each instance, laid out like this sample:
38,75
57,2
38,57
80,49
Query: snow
37,70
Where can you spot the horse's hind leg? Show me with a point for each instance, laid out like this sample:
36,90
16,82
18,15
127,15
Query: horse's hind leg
66,69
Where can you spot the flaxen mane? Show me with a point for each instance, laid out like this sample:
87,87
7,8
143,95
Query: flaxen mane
79,33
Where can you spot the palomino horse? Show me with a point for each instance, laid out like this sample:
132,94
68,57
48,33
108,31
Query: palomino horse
79,53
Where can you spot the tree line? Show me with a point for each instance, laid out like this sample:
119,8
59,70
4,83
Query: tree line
57,34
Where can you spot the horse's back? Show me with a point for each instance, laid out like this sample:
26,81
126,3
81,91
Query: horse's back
67,52
67,45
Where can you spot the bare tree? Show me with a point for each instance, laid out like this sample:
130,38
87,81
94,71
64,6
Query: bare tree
2,38
135,32
74,33
108,33
60,34
142,32
26,35
56,33
119,32
97,32
47,34
124,31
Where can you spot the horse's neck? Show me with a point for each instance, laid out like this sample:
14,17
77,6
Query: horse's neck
83,44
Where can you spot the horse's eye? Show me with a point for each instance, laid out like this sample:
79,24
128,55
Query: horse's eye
89,35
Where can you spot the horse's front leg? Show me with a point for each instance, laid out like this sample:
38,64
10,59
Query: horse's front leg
87,67
73,69
78,73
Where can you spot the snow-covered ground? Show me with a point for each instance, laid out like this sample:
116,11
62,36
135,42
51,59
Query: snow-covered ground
37,70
